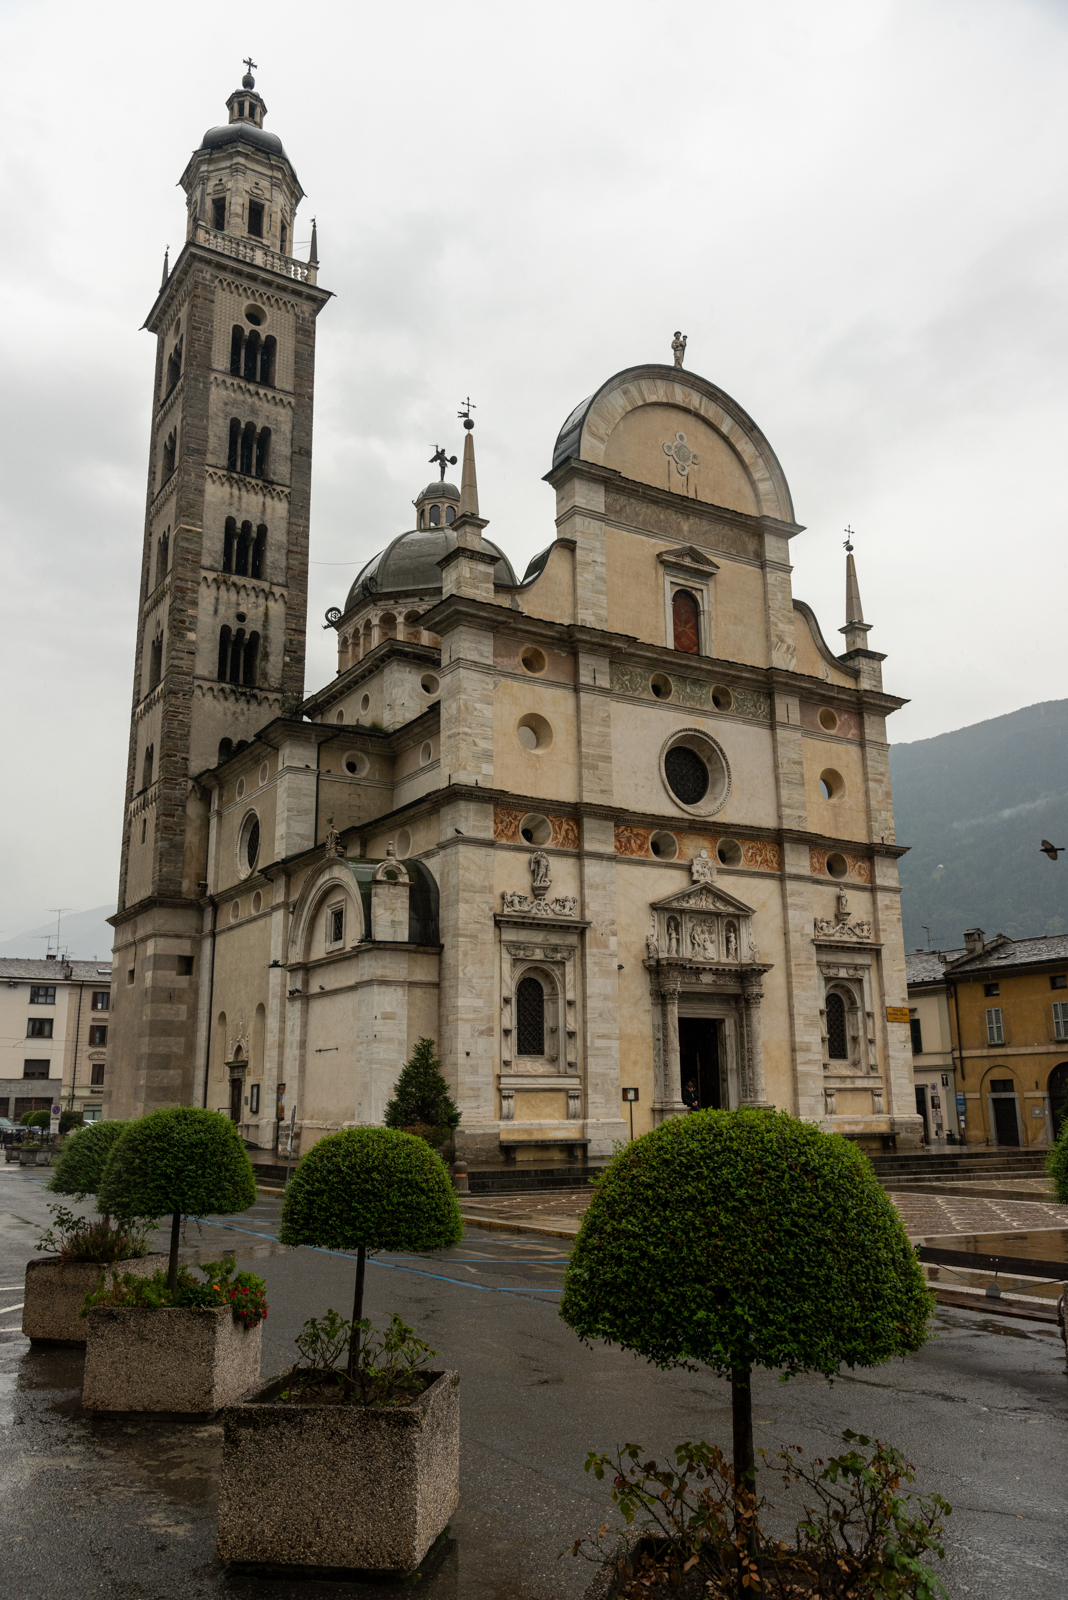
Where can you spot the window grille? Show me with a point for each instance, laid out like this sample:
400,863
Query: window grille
337,924
995,1032
530,1018
837,1038
1060,1019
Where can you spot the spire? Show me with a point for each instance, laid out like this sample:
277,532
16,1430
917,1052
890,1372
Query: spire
313,257
469,483
166,266
856,630
854,611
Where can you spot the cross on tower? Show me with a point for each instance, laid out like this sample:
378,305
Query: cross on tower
250,64
468,406
847,545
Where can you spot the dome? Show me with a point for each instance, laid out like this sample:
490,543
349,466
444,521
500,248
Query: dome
410,564
438,491
243,133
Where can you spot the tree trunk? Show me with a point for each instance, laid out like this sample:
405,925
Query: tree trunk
744,1462
357,1312
172,1268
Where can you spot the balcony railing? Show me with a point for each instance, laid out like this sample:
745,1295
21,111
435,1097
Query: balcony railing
255,253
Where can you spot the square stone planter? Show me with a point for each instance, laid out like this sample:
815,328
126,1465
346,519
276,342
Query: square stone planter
179,1362
339,1488
11,1152
56,1290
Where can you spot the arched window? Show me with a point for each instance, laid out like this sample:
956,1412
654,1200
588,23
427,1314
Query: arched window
146,766
686,622
248,448
237,344
163,553
251,661
530,1017
387,626
155,662
229,537
252,356
413,630
450,513
237,650
422,519
283,238
226,750
263,452
435,516
259,550
241,550
174,367
224,654
267,356
170,452
234,452
837,1037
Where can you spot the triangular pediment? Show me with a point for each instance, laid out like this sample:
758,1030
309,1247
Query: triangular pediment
704,897
688,555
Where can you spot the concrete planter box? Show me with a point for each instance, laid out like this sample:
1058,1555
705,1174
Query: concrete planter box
35,1158
183,1363
339,1488
11,1152
56,1290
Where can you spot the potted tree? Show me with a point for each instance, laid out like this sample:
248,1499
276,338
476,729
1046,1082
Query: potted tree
742,1239
168,1343
421,1103
77,1248
350,1463
33,1152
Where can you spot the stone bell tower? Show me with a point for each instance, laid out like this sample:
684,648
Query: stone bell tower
224,567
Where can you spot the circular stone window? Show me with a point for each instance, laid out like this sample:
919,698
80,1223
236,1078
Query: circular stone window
729,852
426,750
664,846
832,784
661,685
355,764
535,830
256,315
837,865
722,698
248,844
235,910
404,844
257,902
365,703
828,719
533,659
429,684
533,732
240,788
695,771
265,772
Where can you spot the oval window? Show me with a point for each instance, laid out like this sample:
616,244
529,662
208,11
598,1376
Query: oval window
687,774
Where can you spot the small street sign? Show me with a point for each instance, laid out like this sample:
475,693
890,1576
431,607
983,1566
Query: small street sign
897,1013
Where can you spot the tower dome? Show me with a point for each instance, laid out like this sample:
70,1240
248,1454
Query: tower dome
409,565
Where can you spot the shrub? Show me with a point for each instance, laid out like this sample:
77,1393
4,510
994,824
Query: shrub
182,1160
75,1238
68,1120
370,1189
84,1156
745,1238
421,1103
1057,1164
243,1292
390,1370
35,1119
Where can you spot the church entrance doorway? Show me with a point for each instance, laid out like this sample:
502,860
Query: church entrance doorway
699,1061
236,1086
1058,1097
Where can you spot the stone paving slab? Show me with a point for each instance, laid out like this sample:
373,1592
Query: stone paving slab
940,1214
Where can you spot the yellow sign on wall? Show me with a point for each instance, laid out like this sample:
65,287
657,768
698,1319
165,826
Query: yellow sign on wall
897,1013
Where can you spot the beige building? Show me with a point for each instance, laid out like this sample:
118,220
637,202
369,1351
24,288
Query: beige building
54,1022
939,1098
623,822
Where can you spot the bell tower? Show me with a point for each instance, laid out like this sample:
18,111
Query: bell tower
224,569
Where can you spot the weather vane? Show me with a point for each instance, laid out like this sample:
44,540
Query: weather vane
847,544
439,458
465,416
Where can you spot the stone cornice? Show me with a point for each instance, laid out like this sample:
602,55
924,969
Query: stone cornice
352,677
704,510
194,255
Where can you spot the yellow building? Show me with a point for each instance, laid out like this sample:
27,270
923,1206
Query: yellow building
939,1096
1008,1022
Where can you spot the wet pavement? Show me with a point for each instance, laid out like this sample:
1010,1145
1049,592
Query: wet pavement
94,1508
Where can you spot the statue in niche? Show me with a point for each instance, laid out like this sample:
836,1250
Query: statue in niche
841,906
540,876
702,941
652,942
332,843
732,942
673,937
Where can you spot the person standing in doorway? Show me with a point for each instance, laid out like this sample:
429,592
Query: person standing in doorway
689,1095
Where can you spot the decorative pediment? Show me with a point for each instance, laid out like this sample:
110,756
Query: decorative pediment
703,897
703,923
688,555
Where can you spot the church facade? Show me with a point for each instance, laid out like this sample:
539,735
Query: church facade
618,827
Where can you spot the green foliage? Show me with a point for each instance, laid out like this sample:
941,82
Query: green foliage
35,1119
421,1103
221,1285
183,1159
390,1368
74,1238
375,1187
69,1120
859,1538
746,1238
1057,1164
84,1156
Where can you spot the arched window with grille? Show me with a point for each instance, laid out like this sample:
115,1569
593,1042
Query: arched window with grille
530,1017
155,662
163,551
237,650
837,1033
250,662
146,766
686,622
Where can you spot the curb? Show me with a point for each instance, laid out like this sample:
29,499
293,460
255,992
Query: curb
497,1224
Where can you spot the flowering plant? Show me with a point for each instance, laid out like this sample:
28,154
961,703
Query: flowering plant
221,1285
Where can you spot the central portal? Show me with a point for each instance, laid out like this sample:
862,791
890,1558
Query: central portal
699,1061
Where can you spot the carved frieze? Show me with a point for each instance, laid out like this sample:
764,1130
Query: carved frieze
506,824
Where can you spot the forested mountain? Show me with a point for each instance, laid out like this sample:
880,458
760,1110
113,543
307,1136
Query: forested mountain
973,806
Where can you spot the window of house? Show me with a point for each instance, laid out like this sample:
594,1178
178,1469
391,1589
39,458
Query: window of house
267,355
42,994
837,1038
252,843
35,1069
995,1031
97,1072
990,989
254,1099
248,448
39,1028
1059,980
218,213
155,662
917,1036
234,450
255,219
237,350
335,924
101,999
1002,1086
530,1017
5,1102
163,555
1060,1019
98,1033
686,622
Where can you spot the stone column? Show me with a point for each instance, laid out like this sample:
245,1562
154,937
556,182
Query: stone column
669,1000
752,995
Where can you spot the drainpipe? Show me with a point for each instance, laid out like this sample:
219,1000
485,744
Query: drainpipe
211,1004
77,1037
960,1043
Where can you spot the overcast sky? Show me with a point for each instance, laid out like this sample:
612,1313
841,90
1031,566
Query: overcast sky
856,209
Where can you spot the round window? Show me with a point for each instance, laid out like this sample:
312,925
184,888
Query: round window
264,772
831,784
722,698
533,732
664,846
240,787
837,865
365,703
695,771
248,844
828,719
404,844
257,902
235,910
533,659
729,852
255,315
355,764
429,684
661,686
252,844
426,750
534,829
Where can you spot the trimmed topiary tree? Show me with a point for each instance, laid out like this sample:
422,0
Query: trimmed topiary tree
35,1119
742,1239
182,1160
1057,1163
84,1156
370,1189
421,1103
